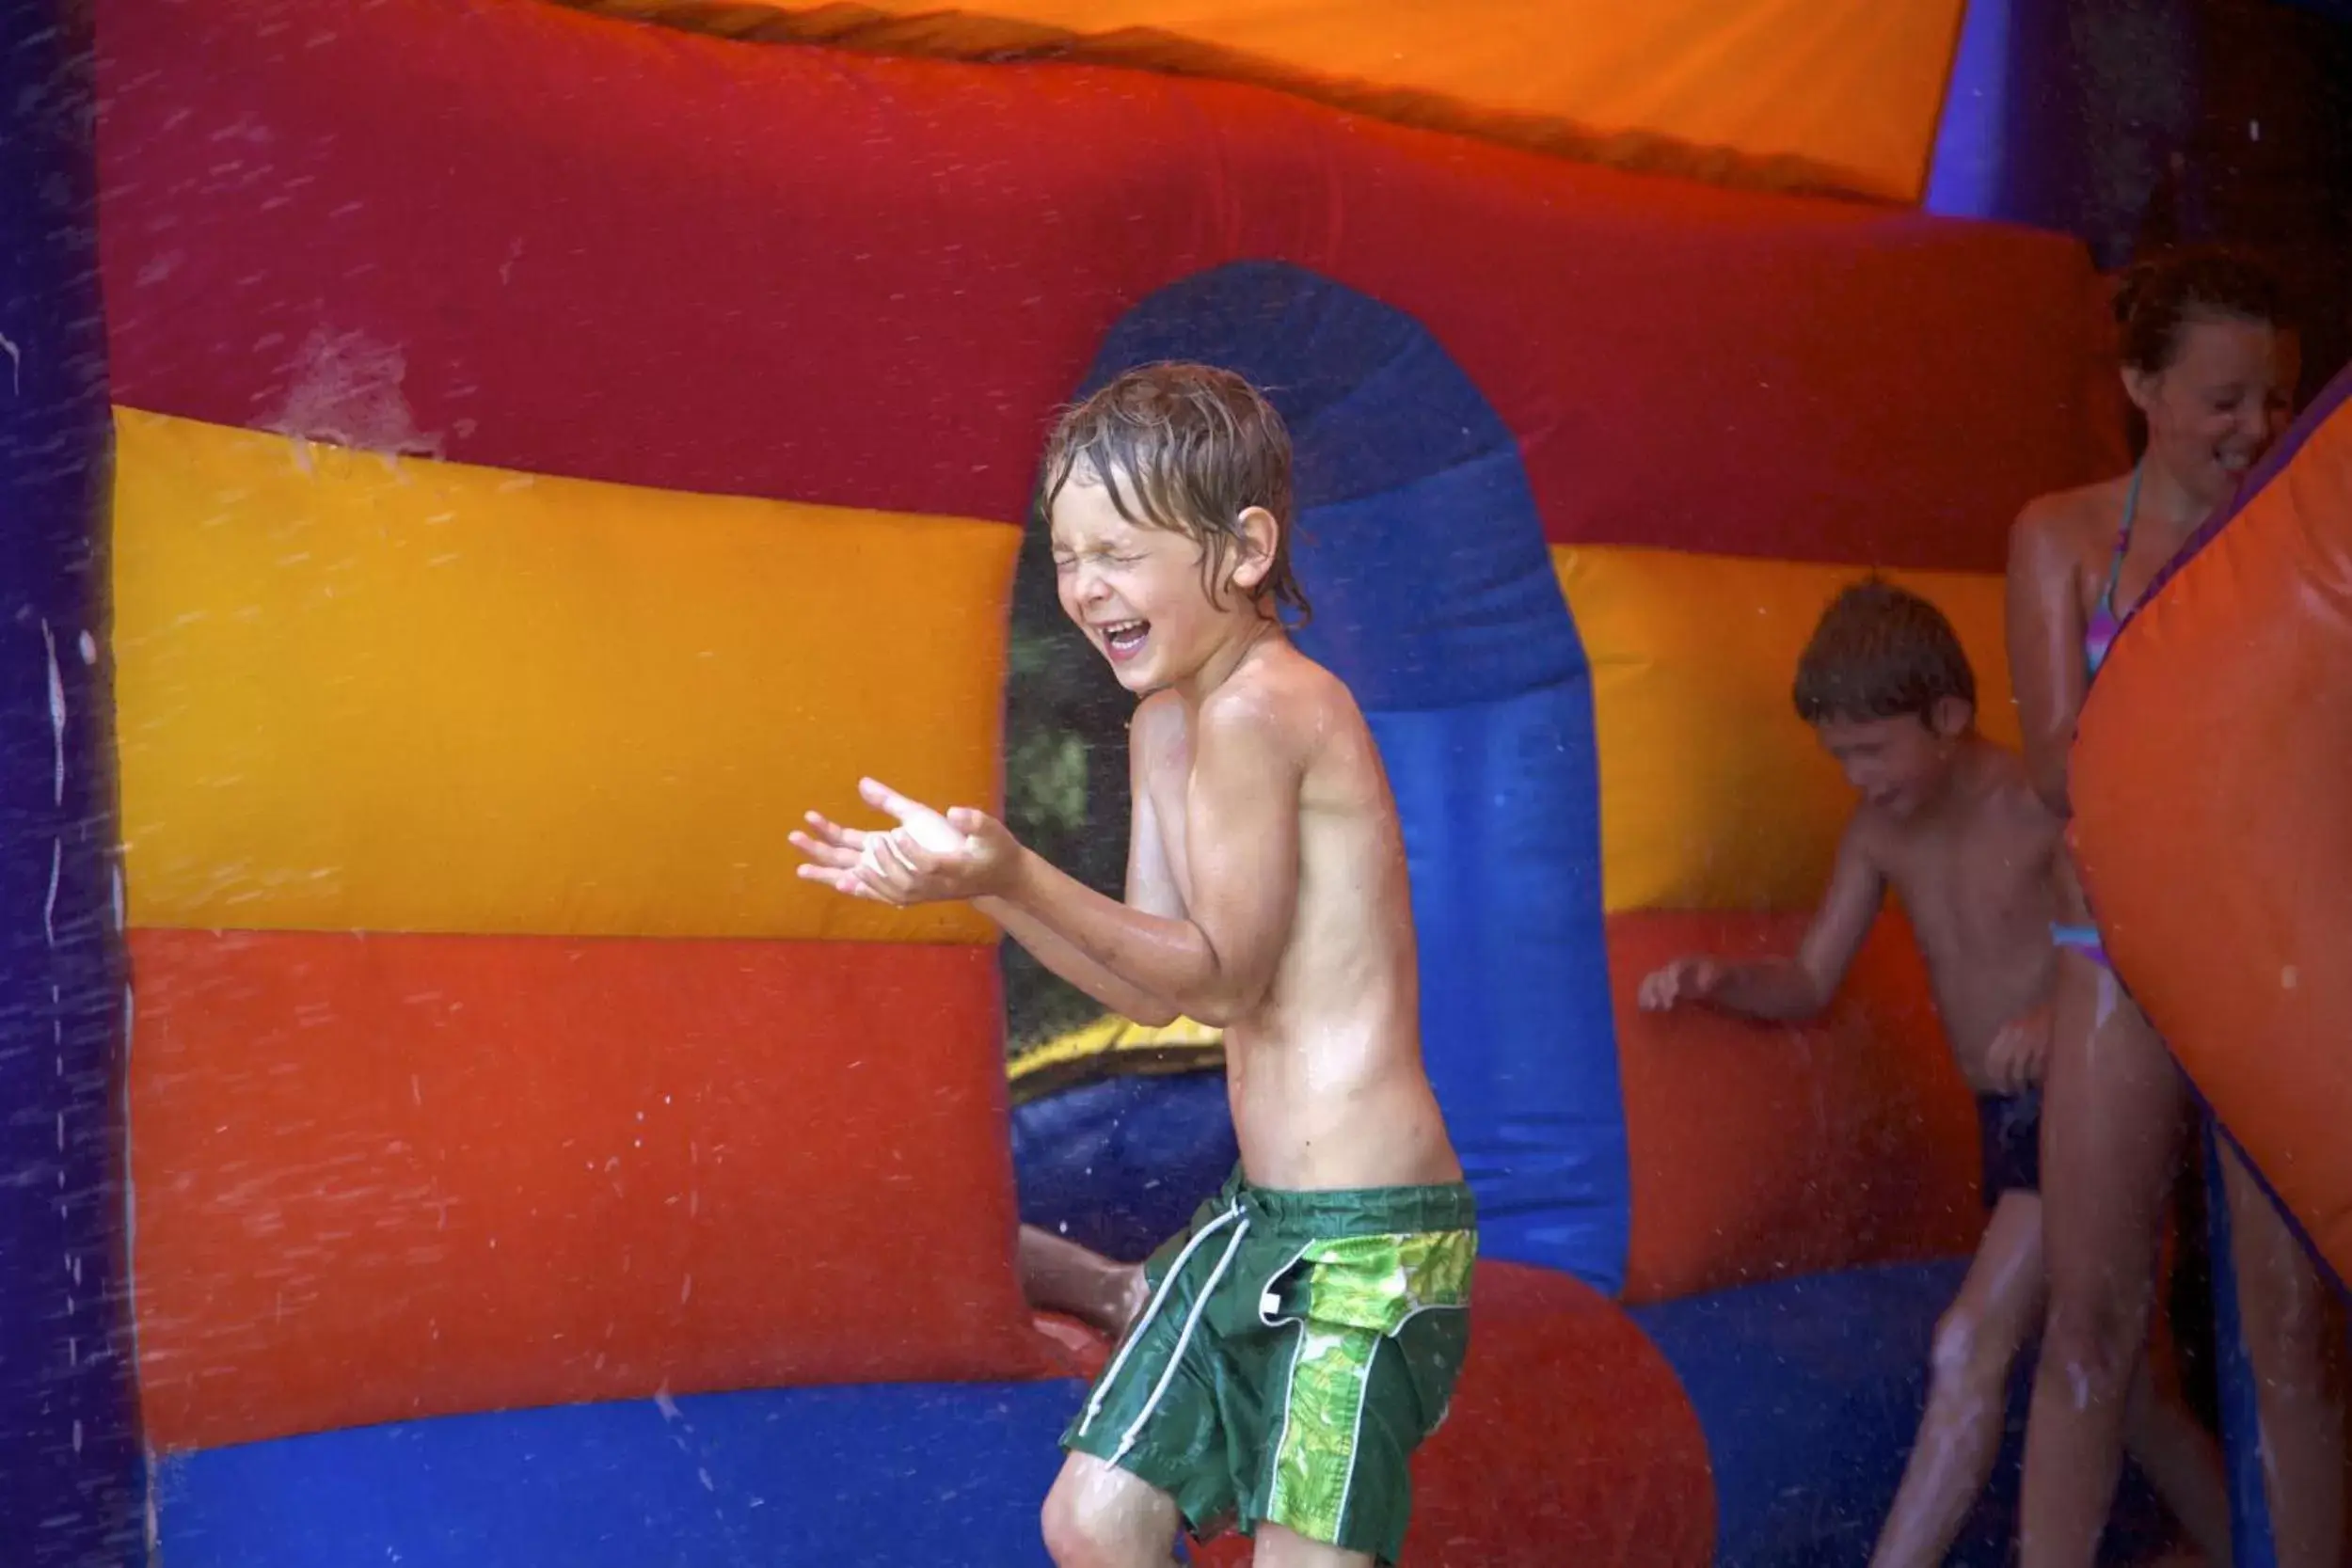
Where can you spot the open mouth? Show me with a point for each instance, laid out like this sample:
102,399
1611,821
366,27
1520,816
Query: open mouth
1124,640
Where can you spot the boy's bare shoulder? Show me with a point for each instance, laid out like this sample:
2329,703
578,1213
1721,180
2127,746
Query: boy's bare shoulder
1159,718
1870,834
1281,697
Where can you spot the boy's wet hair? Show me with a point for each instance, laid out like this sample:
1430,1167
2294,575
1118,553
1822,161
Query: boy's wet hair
1187,447
1881,652
2164,294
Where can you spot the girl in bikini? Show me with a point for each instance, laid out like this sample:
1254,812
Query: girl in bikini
2203,361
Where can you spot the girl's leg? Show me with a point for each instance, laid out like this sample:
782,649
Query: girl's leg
2292,1329
2184,1461
1977,1342
2111,1122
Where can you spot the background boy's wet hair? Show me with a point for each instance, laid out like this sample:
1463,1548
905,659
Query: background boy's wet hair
1187,447
1881,652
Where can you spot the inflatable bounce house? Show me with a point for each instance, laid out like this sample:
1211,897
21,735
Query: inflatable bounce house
475,471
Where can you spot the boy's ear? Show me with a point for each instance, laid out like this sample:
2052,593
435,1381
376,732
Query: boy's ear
1257,534
1951,715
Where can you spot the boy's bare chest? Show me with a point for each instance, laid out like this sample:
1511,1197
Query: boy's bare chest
1970,886
1167,786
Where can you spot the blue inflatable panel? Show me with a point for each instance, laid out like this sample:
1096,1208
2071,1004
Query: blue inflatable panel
71,1480
1372,400
1120,1165
1435,601
1411,619
2252,1545
1964,170
1810,1392
1502,825
873,1476
1418,539
2028,117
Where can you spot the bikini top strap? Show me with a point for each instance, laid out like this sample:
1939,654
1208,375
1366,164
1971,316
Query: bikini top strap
2123,542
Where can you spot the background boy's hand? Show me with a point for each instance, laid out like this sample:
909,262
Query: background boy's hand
2020,1052
1691,980
928,858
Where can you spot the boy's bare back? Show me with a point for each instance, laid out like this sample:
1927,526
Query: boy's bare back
1326,1080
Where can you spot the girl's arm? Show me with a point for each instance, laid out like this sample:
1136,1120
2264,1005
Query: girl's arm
2047,668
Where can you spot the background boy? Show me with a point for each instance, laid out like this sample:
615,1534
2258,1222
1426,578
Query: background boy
1950,821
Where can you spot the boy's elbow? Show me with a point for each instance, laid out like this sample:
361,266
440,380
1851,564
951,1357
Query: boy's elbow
1214,1011
1154,1015
1810,997
1222,1005
1218,992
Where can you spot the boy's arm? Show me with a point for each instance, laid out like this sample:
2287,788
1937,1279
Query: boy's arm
1790,990
1214,961
1150,887
1065,958
893,867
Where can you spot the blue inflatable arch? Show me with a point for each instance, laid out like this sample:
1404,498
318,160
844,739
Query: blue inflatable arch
1435,599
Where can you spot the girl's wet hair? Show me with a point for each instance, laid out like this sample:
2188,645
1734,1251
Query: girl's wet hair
2165,293
1187,447
1881,652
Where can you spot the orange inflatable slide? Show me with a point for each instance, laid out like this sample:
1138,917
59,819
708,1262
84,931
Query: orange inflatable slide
2210,782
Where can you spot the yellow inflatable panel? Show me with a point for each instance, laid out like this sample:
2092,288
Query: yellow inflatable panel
1112,1046
359,693
1714,795
1838,95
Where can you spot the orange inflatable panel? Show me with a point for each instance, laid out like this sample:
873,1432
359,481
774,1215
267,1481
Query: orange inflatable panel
1761,1150
380,1177
1836,95
2212,779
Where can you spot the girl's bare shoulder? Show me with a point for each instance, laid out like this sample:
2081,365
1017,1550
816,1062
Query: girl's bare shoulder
2075,516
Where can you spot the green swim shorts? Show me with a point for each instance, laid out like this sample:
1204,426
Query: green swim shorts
1296,1349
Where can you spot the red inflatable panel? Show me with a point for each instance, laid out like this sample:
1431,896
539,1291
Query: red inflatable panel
1760,1151
2210,786
1569,1442
379,1177
518,235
